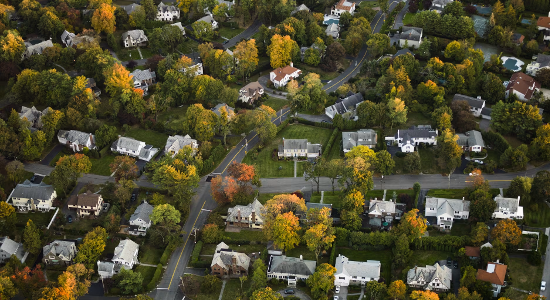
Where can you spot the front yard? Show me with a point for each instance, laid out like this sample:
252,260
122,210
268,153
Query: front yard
149,254
39,219
276,103
427,257
230,33
147,273
100,166
174,118
524,275
539,217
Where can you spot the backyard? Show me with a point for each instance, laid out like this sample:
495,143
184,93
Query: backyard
150,137
39,219
537,217
408,19
267,166
230,33
174,118
100,166
427,257
524,275
149,254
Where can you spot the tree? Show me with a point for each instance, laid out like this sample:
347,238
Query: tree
112,223
515,159
463,120
12,46
493,89
137,19
312,57
482,205
16,171
92,247
49,24
29,282
375,290
82,277
319,237
259,275
105,135
442,117
450,152
284,231
540,189
402,252
7,289
314,171
384,5
246,54
412,224
412,162
378,44
266,294
322,281
124,167
520,187
130,282
397,290
165,218
534,296
31,238
51,122
507,231
396,111
282,50
211,234
224,123
150,9
202,30
424,295
540,146
333,170
479,234
517,118
384,162
103,19
454,51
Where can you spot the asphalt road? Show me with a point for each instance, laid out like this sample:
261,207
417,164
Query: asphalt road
355,66
246,34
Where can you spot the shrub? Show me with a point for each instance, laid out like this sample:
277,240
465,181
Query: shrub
534,258
496,141
165,255
156,277
196,252
331,141
400,154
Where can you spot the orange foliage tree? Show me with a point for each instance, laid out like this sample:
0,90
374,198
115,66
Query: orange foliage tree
124,167
397,290
281,204
28,281
412,224
507,231
424,295
284,231
103,18
223,189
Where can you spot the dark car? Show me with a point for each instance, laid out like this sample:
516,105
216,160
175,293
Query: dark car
449,262
133,197
69,219
33,178
455,264
289,292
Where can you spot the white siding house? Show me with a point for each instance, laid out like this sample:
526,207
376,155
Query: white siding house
476,104
134,38
291,269
167,12
471,141
298,148
9,247
447,210
542,62
126,254
140,221
409,138
508,208
29,196
134,148
341,7
410,37
355,272
281,76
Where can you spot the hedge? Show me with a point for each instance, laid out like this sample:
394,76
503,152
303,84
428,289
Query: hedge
330,141
283,125
496,141
196,253
332,259
166,255
156,277
441,243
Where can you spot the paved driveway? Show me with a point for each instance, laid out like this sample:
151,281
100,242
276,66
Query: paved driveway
58,148
484,124
315,118
297,293
343,295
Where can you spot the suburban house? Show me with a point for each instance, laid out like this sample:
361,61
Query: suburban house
410,37
439,5
272,249
126,254
196,66
402,52
167,12
86,204
333,30
522,85
228,3
76,140
218,110
543,23
542,62
407,139
446,210
210,20
495,274
178,24
35,49
175,143
476,104
140,220
508,208
249,216
281,76
59,252
363,137
105,269
28,196
9,247
134,38
134,148
380,211
341,7
33,116
473,252
299,8
290,268
434,278
346,105
350,272
130,8
143,79
227,262
298,148
471,141
69,39
251,92
91,84
517,38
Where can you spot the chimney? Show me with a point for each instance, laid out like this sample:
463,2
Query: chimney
253,218
239,214
292,65
301,258
233,260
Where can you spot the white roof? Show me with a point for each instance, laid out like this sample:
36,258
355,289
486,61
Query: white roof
368,269
125,250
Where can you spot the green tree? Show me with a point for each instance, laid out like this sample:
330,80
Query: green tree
202,30
137,20
7,289
378,44
259,275
312,57
384,162
150,9
129,282
384,5
493,89
450,152
402,253
322,281
105,135
15,171
515,159
479,234
375,290
165,218
92,248
314,171
454,51
31,238
412,163
396,112
520,187
50,25
540,189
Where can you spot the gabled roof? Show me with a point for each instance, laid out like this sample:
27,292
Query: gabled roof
87,199
224,257
38,48
291,265
246,211
181,141
415,132
29,190
511,204
143,211
495,273
59,247
135,34
299,8
208,19
178,24
379,206
125,250
543,60
249,89
443,205
217,109
344,5
333,28
472,102
167,8
280,73
130,8
470,138
141,75
411,33
8,245
347,104
523,83
76,137
364,137
368,269
429,273
473,251
129,143
543,22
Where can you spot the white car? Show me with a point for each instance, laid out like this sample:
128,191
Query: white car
543,286
478,161
337,289
336,298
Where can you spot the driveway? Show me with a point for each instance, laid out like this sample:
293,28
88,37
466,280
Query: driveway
58,148
297,293
484,124
421,198
246,34
343,295
315,118
456,280
400,16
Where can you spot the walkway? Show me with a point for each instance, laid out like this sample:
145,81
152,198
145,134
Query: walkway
149,265
223,288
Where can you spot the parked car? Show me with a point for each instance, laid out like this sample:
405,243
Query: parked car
337,289
289,291
33,178
455,264
69,219
336,298
478,161
543,286
449,262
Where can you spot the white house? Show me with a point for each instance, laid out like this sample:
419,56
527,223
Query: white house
471,141
410,37
508,208
363,137
333,30
33,116
126,254
175,143
446,210
134,38
105,269
29,196
140,221
76,140
439,5
407,139
341,7
542,62
210,20
476,104
251,92
249,216
143,79
281,76
290,268
523,85
346,105
35,49
299,8
178,24
167,12
298,148
134,148
9,247
86,204
350,272
59,252
434,278
495,274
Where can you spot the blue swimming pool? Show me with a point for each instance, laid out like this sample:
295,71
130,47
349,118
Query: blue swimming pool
511,64
331,21
525,21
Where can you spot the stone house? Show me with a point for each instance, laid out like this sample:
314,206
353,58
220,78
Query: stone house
59,252
249,216
227,262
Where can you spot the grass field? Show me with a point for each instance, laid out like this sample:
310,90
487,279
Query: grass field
538,218
428,165
451,194
174,118
100,166
524,275
328,198
276,103
268,167
147,273
188,46
233,289
230,33
148,254
408,19
344,63
413,118
249,235
39,219
214,293
155,138
428,257
385,258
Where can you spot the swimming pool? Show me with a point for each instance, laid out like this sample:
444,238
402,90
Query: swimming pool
512,63
525,21
331,21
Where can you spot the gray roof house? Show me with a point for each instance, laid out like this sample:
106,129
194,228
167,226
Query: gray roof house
36,48
350,272
476,104
133,147
167,12
105,269
59,252
130,8
407,139
471,141
227,262
410,37
290,268
8,247
439,5
542,62
247,216
299,148
230,110
134,38
140,220
333,30
76,140
446,210
363,137
380,211
143,79
210,20
507,208
126,254
175,143
342,106
299,8
434,278
32,196
33,115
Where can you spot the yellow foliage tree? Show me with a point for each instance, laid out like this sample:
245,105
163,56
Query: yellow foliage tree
117,79
281,50
281,204
507,231
424,295
104,18
284,231
397,290
412,224
6,210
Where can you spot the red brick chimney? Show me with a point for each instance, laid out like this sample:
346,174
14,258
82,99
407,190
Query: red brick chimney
253,218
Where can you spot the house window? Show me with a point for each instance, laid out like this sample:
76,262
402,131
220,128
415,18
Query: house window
441,218
342,278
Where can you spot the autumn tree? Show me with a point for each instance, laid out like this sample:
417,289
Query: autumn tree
67,170
375,290
450,152
31,238
49,23
282,50
7,218
211,234
29,282
540,146
123,191
320,235
82,277
246,54
507,231
12,46
283,230
7,288
166,219
124,167
397,290
201,122
424,295
92,247
479,234
412,224
103,19
322,281
266,294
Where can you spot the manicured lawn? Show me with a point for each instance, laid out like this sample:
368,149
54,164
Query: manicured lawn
209,249
267,167
148,254
39,219
385,257
100,166
461,228
336,149
233,289
344,63
451,194
276,103
146,52
126,54
53,274
427,257
524,275
428,163
85,225
389,193
230,33
328,198
174,118
147,273
409,18
249,235
538,218
151,137
188,46
306,254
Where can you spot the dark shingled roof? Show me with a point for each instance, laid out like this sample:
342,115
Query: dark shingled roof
472,102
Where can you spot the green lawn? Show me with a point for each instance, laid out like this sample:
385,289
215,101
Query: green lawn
539,217
147,273
385,257
56,158
461,228
389,193
428,257
214,293
230,33
53,274
276,103
306,254
232,289
409,18
174,118
127,54
413,118
344,63
209,249
146,52
188,46
85,225
427,162
328,198
39,219
268,167
524,275
450,194
155,138
249,235
336,149
100,166
148,254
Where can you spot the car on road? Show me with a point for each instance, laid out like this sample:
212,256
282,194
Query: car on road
289,291
543,286
337,289
473,174
336,298
69,219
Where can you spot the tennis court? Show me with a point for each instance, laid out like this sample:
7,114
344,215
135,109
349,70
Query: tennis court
481,25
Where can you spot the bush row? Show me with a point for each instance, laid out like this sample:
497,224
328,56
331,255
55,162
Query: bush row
441,243
156,277
196,253
331,140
